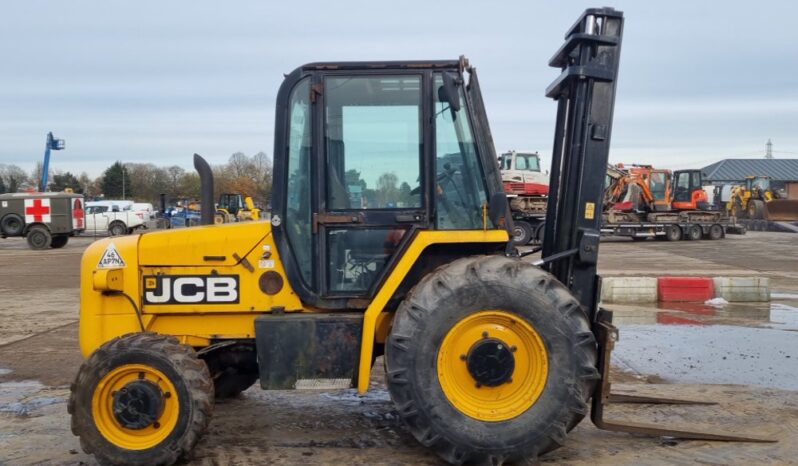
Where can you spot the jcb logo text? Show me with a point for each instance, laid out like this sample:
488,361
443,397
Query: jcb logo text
191,289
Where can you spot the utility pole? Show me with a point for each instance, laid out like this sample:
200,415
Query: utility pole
769,150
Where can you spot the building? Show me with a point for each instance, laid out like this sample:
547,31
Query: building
734,171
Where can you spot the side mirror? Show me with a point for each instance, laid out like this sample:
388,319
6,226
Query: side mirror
448,92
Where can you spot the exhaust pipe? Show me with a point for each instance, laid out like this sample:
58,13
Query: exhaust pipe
207,209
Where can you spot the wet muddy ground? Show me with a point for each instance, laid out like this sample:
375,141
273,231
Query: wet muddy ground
675,351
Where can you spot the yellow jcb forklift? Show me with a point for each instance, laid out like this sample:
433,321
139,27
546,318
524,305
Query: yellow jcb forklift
388,236
235,207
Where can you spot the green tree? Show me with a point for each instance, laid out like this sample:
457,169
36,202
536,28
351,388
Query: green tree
387,192
2,186
116,179
62,181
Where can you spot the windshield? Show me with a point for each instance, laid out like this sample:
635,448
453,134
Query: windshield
527,162
658,185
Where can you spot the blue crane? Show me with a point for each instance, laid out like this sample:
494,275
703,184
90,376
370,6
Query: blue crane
52,144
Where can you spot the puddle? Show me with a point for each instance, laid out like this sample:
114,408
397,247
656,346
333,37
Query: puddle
26,397
774,314
722,354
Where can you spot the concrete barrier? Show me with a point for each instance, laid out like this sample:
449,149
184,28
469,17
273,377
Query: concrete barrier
629,290
637,290
685,289
742,289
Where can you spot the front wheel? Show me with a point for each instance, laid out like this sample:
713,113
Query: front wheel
59,241
141,399
490,360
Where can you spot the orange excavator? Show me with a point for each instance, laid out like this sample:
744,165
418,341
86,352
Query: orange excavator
644,193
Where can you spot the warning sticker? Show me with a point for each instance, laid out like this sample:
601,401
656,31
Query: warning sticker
590,211
111,258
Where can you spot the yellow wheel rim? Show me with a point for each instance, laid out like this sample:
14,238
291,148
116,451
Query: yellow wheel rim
493,403
102,406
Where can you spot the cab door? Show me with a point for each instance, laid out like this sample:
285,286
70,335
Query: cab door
371,176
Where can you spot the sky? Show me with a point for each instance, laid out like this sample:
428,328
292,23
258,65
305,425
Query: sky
156,81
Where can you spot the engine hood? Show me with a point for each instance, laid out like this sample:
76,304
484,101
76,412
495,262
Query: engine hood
211,245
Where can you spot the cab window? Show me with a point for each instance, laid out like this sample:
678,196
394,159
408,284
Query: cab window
373,142
297,215
460,184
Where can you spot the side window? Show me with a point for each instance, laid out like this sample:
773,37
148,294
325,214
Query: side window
373,142
460,188
297,216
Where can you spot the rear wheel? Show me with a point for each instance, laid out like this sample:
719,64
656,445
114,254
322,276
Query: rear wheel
117,229
490,360
12,225
694,232
673,233
141,399
59,241
39,237
522,232
716,232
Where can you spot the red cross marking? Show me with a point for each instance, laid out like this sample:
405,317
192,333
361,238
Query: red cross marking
37,210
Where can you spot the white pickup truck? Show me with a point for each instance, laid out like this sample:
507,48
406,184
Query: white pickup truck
115,219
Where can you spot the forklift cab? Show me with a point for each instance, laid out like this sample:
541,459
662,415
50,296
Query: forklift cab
232,202
368,154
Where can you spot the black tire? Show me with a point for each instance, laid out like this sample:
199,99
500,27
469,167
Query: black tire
522,233
39,237
456,291
12,225
755,209
117,229
59,241
694,232
540,233
737,209
673,233
233,369
184,370
716,232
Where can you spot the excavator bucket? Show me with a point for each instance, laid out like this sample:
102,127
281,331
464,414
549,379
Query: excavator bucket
782,210
606,336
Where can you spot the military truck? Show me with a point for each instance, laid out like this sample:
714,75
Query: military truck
46,220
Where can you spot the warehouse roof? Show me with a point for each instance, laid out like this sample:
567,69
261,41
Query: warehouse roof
738,169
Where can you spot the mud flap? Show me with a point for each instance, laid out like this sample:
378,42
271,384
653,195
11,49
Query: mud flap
606,336
308,351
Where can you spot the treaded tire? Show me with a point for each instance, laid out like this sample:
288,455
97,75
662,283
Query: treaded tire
716,232
756,209
117,229
522,233
694,232
179,363
39,237
59,241
673,233
462,288
12,225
